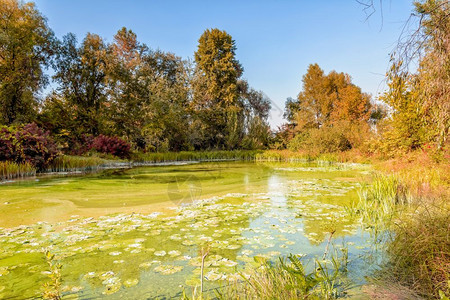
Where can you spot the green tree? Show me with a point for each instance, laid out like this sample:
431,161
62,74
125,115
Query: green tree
406,127
215,91
81,74
254,126
126,90
26,44
166,111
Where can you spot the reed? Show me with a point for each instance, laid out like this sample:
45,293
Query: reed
381,201
419,253
289,279
11,170
417,241
67,163
291,156
156,157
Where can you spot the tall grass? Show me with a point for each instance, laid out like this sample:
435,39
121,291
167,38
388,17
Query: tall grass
288,279
195,156
10,170
418,246
291,156
424,177
419,253
65,163
381,201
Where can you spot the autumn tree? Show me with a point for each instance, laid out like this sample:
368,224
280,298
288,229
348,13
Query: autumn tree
26,44
434,70
329,103
327,99
215,92
420,102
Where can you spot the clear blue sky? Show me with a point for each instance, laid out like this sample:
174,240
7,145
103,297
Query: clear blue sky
276,40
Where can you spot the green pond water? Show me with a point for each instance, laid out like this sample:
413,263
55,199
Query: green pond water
137,233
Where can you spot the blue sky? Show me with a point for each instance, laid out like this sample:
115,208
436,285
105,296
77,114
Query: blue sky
276,40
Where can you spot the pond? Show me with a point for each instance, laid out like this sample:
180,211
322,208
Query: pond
136,233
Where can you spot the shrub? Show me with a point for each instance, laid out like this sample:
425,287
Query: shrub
322,140
111,145
27,144
80,145
298,141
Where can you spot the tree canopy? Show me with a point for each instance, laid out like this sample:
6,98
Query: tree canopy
26,47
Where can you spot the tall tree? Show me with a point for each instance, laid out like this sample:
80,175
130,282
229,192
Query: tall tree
81,73
166,110
25,48
420,102
434,70
328,99
126,89
215,93
313,104
256,108
148,94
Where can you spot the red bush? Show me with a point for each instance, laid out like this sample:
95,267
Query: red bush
27,143
80,145
111,145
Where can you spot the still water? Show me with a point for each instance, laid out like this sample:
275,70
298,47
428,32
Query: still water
137,233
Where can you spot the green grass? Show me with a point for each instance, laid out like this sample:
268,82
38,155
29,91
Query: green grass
291,156
381,201
289,279
66,163
10,170
195,156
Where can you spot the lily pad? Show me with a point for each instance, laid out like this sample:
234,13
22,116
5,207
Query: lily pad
130,282
168,269
160,253
174,253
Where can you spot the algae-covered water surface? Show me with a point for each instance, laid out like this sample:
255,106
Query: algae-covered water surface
136,233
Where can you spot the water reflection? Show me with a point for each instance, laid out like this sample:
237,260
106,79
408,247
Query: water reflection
276,191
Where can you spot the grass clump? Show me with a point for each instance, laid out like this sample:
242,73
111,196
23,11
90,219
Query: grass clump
380,201
10,170
288,279
419,253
